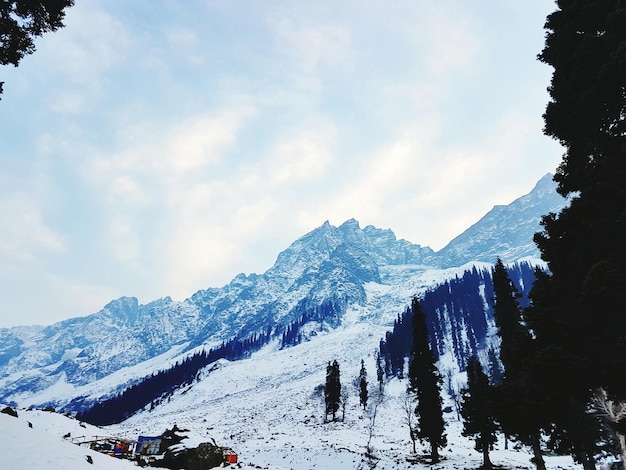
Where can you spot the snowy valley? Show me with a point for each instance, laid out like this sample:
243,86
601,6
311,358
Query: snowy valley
268,404
269,409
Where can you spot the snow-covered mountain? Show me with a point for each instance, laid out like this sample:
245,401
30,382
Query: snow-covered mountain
505,231
364,270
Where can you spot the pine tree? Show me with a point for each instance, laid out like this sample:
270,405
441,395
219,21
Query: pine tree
495,370
520,398
477,417
425,382
380,373
559,371
332,392
508,318
579,311
586,45
363,385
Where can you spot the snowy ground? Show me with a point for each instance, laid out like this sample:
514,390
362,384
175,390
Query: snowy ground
42,447
267,409
270,410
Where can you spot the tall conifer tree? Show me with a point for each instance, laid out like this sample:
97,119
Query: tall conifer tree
519,398
580,308
363,395
332,392
476,412
425,382
380,373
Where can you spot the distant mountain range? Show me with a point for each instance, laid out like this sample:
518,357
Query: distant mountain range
349,267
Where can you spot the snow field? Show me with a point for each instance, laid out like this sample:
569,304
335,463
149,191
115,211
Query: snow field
270,410
42,447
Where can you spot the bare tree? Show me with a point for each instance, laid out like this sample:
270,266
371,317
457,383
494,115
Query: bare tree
344,403
409,418
615,412
370,460
452,387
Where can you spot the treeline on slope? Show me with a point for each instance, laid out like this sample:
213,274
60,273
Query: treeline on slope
329,311
460,309
157,387
529,402
533,404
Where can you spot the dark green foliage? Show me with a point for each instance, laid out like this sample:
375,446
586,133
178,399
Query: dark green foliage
380,373
332,392
560,369
454,309
399,343
519,402
328,311
585,43
22,21
425,382
584,244
507,314
496,374
476,412
363,395
155,387
578,310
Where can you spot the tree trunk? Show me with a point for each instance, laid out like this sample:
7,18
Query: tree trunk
586,460
537,455
589,463
486,461
434,453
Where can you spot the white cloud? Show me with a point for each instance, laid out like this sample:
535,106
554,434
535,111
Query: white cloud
124,187
302,158
311,46
25,235
182,38
191,148
168,192
306,44
78,57
162,155
212,223
452,39
41,298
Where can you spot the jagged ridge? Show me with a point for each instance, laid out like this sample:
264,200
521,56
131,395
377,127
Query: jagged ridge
328,264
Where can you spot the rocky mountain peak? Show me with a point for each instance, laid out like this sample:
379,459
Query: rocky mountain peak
327,267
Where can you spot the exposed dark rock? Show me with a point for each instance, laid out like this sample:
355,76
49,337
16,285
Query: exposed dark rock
9,411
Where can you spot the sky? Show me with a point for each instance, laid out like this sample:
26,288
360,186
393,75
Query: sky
154,148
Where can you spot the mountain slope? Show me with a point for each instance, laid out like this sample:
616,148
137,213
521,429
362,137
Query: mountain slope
34,441
270,409
505,231
340,265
